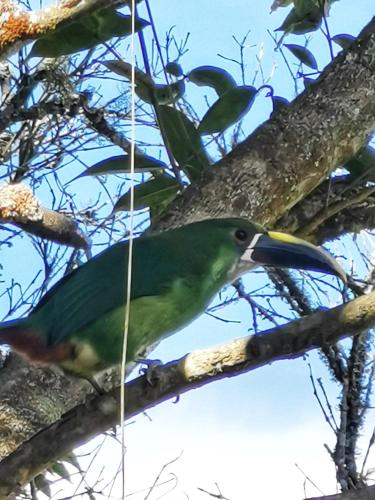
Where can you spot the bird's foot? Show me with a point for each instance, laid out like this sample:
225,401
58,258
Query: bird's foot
149,371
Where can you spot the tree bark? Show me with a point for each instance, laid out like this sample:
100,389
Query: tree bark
294,151
336,207
360,494
19,25
198,368
262,178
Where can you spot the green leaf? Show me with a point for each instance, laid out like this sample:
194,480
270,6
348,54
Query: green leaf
303,54
60,469
299,23
72,460
308,82
43,485
343,40
144,84
112,23
227,110
279,102
212,76
174,69
162,94
280,3
145,87
154,193
306,7
121,164
124,69
183,141
363,164
129,2
85,33
72,38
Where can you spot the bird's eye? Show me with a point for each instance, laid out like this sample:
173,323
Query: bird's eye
241,235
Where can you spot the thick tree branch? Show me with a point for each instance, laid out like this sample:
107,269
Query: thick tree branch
335,208
19,26
352,220
360,494
355,217
294,151
338,206
192,371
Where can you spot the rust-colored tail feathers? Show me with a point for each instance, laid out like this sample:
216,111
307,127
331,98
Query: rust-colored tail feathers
25,341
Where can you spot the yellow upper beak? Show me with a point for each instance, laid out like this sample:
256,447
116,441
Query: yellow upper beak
283,250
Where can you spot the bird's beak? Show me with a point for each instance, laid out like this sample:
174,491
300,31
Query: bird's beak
283,250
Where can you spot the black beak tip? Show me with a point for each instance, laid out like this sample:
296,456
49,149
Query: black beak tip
282,250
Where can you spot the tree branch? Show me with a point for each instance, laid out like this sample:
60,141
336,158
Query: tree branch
360,494
19,26
295,150
352,220
337,206
271,170
190,372
19,206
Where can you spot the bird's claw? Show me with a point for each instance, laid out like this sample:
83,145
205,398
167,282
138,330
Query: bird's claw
149,371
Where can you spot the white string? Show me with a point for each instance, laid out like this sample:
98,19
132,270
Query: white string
130,254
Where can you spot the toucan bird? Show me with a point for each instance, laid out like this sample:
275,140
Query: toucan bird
79,323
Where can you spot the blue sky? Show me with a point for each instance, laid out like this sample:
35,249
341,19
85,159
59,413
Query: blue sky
245,433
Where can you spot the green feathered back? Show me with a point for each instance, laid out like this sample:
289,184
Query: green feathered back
194,258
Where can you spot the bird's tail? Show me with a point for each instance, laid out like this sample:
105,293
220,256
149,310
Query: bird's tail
15,334
29,343
9,330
